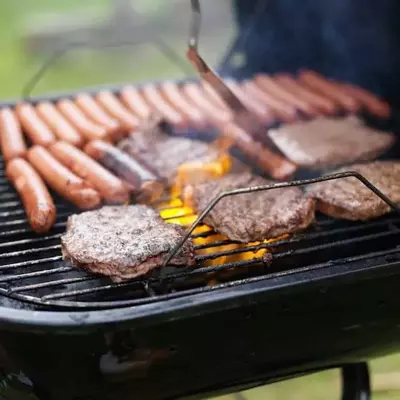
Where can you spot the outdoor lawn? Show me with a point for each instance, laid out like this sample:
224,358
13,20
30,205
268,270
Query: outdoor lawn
83,68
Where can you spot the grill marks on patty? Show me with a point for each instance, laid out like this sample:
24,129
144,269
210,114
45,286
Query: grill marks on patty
123,242
254,216
348,198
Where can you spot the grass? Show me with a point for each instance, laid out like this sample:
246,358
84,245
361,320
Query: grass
82,67
89,68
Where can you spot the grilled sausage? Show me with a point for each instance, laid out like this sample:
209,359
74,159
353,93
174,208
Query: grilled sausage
371,102
11,138
171,92
196,95
37,131
263,112
88,129
62,180
275,165
317,82
135,102
112,104
144,182
60,126
38,204
111,189
284,111
267,84
214,96
93,111
325,105
156,101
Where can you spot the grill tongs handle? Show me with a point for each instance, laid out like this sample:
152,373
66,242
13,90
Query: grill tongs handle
245,130
303,182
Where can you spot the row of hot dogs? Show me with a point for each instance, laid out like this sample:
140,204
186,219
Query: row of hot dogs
71,138
108,116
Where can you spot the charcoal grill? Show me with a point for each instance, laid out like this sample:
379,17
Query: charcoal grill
328,300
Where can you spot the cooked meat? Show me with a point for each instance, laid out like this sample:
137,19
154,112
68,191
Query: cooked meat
348,198
329,142
252,216
165,153
122,242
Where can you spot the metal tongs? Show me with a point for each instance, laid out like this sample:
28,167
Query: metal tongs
245,130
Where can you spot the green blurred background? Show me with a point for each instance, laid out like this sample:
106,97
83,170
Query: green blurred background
28,32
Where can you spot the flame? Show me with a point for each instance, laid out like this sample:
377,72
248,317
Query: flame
179,210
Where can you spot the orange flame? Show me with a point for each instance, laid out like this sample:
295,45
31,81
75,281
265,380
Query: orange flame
178,210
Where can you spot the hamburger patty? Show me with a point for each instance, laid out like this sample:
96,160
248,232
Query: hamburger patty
348,198
330,142
165,153
122,242
253,216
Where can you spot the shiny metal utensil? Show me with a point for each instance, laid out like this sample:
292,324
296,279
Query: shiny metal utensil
245,123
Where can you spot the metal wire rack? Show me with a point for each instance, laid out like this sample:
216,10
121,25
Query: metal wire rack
32,269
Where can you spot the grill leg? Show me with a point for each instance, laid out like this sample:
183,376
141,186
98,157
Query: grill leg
356,382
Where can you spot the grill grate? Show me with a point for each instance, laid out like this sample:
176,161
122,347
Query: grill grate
32,269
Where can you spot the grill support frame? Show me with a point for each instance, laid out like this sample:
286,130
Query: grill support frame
48,345
261,350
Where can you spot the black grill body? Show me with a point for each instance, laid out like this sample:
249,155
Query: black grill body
329,299
237,337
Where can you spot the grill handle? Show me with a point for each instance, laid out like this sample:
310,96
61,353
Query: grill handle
356,382
303,182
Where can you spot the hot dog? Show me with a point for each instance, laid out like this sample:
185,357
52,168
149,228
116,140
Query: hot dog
135,102
93,111
214,96
196,95
275,165
37,131
112,104
325,105
88,129
263,112
156,101
11,138
371,102
38,204
145,184
62,180
171,92
60,126
317,82
268,85
284,111
111,189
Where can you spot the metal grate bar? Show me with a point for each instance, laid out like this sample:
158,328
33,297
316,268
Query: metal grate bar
30,241
198,271
29,263
24,221
34,274
53,283
239,264
90,290
29,230
10,204
29,251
